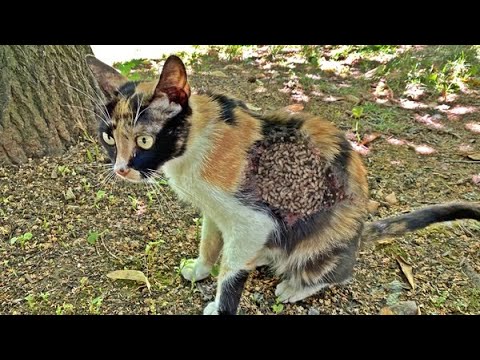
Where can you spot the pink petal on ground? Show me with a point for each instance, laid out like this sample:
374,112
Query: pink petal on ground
141,209
409,104
462,110
465,148
350,135
476,179
394,141
443,107
424,150
361,149
473,127
429,120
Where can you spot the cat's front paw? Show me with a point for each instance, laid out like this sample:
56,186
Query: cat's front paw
211,309
193,270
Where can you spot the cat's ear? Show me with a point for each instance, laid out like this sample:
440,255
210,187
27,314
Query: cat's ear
109,79
173,81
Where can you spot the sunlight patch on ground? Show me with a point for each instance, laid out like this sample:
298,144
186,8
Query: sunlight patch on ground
117,53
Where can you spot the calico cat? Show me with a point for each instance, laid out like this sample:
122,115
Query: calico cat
284,190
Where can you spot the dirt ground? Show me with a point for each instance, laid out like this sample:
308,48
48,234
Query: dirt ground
84,225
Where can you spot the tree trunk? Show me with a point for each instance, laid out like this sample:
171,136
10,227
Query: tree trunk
47,100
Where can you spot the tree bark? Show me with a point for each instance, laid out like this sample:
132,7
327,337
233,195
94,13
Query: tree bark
47,100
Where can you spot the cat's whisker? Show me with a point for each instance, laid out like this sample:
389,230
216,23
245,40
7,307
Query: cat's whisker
106,121
140,101
165,199
153,175
97,102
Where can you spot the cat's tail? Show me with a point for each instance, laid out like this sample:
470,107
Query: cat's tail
419,219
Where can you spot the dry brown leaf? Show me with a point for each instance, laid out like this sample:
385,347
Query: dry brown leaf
294,108
253,107
352,98
386,241
372,206
407,271
367,139
386,311
391,199
134,275
474,156
218,73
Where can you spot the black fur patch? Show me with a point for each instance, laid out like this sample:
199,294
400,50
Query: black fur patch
227,106
127,89
342,159
290,236
343,270
231,293
424,217
170,142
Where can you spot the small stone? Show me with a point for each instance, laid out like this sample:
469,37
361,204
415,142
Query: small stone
391,199
313,311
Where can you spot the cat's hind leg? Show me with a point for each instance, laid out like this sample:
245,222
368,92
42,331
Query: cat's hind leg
210,247
317,273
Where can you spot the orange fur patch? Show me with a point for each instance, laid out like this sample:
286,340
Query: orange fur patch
358,175
324,135
227,157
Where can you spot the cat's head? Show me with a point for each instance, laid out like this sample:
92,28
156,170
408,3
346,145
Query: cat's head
144,124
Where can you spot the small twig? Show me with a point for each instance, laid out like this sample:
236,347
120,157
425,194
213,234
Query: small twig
460,182
108,251
462,161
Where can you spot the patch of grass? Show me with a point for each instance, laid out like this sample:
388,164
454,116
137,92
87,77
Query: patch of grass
95,304
22,239
64,309
441,69
136,69
93,236
30,299
378,118
277,308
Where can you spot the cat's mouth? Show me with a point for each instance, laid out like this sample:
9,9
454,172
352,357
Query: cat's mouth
132,176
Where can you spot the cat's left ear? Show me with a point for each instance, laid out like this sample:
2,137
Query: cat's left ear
173,82
109,79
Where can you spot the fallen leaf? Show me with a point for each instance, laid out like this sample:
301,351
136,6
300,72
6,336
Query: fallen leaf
372,206
232,67
473,127
424,149
294,108
391,199
218,73
386,311
135,275
352,99
474,156
386,241
407,271
54,174
367,139
253,107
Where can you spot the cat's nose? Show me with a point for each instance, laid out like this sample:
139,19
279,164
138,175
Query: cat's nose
123,171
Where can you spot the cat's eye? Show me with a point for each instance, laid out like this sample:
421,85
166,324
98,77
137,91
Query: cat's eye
145,141
108,139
